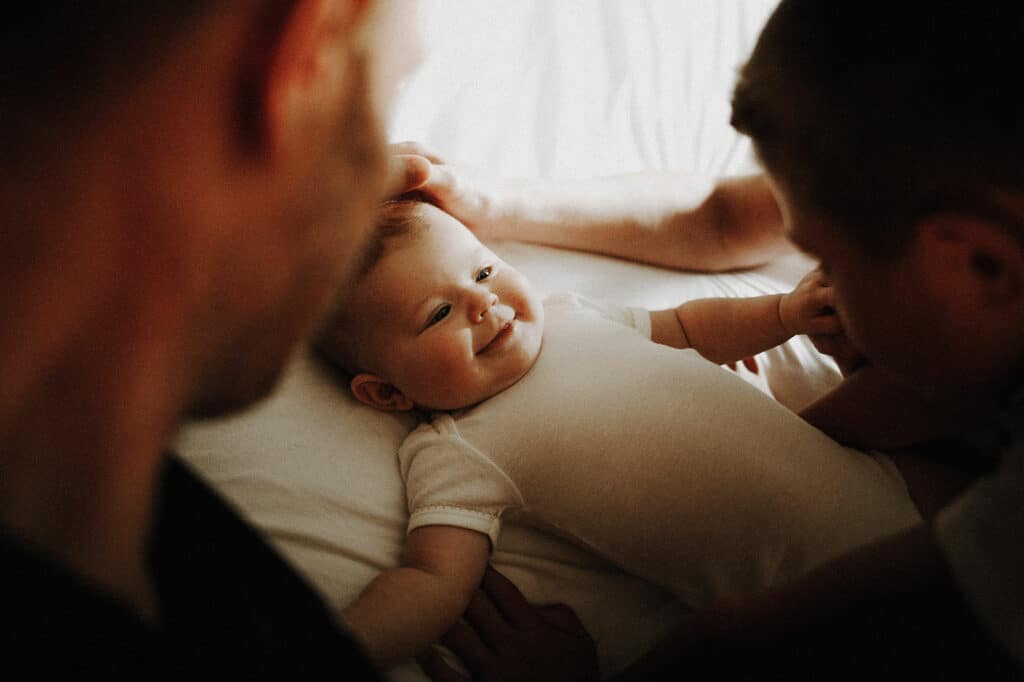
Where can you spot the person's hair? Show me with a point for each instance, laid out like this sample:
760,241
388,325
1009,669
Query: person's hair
396,222
61,57
878,114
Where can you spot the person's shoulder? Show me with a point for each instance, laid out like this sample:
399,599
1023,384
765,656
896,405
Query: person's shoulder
90,632
234,605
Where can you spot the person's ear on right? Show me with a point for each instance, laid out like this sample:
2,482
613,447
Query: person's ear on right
374,391
973,261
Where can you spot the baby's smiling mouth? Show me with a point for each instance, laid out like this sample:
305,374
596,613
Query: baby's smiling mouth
504,335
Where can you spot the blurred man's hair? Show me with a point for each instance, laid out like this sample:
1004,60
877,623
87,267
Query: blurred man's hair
877,113
60,57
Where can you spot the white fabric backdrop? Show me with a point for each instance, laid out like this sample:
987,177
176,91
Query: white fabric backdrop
566,88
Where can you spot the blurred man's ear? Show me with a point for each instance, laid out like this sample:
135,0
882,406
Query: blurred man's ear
975,264
371,390
310,72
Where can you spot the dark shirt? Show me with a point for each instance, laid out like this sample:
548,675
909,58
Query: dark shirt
230,607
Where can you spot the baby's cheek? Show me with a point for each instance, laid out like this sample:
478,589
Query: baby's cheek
450,361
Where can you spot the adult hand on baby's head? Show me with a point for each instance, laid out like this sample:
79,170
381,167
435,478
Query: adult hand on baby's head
483,203
506,638
408,167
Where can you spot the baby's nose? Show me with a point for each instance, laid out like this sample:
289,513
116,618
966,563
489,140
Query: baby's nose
485,303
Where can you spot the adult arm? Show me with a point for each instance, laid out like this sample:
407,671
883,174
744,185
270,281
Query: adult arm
889,610
672,219
407,608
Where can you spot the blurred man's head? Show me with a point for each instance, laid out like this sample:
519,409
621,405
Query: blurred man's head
206,169
893,136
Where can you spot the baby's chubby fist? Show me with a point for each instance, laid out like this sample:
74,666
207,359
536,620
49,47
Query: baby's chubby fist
809,308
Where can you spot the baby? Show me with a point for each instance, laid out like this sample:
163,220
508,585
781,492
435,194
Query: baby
562,414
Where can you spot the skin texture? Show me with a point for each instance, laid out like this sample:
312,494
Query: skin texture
432,312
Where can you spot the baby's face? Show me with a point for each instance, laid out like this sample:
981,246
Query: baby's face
449,323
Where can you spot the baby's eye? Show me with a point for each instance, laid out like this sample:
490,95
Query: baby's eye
439,315
483,274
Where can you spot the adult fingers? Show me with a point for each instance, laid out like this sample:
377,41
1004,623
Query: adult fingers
468,646
442,183
507,597
437,668
484,617
406,172
414,148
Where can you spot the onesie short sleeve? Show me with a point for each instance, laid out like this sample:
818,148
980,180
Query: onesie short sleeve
635,318
448,482
980,534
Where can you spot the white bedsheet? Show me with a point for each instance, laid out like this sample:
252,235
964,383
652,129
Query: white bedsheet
557,88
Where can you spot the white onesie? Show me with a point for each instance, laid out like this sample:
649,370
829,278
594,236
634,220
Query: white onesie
660,461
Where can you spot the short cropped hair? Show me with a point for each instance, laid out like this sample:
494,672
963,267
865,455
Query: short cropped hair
397,221
60,56
877,114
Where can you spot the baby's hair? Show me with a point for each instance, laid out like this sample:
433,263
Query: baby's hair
396,221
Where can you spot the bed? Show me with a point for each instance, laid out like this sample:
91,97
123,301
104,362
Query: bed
546,88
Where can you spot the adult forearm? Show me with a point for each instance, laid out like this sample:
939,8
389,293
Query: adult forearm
889,611
675,220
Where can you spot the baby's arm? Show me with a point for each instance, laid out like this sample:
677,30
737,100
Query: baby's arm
405,609
731,329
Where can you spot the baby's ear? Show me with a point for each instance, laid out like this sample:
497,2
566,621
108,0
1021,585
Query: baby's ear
377,393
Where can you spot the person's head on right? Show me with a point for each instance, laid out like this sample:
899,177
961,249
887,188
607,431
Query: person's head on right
893,137
435,320
187,182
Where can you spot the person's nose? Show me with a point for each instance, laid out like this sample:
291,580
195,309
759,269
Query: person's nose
481,304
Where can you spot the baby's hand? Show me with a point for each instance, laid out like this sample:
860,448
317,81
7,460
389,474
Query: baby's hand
808,309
